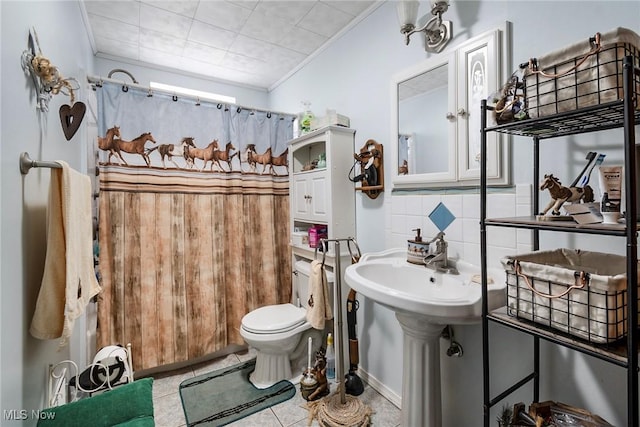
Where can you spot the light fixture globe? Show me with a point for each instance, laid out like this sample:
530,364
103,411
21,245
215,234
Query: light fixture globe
407,15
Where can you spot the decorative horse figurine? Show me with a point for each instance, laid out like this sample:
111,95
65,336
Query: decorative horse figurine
319,370
561,194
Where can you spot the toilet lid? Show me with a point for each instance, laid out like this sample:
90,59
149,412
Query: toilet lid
274,318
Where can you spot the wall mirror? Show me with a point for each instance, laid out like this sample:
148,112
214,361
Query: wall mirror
436,116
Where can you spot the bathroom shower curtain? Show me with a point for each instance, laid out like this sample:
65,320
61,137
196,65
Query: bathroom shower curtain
186,248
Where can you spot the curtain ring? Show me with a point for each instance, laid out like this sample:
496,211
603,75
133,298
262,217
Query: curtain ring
269,115
197,102
238,110
99,83
149,93
125,88
175,98
219,106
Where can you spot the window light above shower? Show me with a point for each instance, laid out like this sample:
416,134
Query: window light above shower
193,92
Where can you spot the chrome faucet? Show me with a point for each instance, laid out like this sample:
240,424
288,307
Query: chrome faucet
439,260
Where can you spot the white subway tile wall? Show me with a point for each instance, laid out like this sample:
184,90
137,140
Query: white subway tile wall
403,213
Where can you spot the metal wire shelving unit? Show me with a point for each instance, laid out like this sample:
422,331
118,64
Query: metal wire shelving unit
611,115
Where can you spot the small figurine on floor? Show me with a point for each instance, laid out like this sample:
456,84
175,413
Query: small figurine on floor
319,370
561,194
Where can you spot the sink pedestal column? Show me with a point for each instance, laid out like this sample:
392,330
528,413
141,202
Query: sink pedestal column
421,401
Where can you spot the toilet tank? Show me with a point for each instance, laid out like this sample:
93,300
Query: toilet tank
302,271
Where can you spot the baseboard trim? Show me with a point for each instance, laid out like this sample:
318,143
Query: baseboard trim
378,386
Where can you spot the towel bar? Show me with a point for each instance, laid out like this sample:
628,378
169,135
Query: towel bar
26,164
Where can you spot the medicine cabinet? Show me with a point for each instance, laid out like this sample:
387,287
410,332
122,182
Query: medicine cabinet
435,119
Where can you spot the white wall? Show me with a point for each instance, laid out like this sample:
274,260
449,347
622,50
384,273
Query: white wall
63,40
353,77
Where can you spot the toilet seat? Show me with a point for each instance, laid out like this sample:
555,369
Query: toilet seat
273,319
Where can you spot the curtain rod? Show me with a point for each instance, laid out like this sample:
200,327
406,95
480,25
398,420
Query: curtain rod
99,79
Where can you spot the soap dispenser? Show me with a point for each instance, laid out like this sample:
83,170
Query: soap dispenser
417,249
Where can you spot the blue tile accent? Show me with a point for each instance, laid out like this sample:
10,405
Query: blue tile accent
441,217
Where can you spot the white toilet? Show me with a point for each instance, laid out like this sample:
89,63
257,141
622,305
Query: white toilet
279,334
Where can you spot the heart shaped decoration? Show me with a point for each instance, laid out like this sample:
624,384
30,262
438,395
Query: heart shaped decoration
71,117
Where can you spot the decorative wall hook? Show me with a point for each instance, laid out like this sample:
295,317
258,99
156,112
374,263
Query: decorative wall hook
48,81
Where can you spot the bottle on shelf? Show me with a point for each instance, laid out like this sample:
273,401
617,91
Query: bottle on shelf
331,358
307,116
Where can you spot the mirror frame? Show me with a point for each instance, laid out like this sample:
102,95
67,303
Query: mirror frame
459,173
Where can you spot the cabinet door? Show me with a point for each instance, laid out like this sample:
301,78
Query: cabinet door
310,196
479,75
301,193
319,202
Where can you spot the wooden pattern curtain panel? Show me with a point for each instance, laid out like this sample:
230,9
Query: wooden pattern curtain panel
187,249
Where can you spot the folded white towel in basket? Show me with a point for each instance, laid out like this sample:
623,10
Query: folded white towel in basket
69,279
319,304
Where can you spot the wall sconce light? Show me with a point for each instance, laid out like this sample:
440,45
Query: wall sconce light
437,32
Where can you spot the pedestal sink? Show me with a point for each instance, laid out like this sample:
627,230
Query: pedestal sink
424,301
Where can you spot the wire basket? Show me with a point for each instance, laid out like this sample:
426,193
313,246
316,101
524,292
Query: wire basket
582,75
577,292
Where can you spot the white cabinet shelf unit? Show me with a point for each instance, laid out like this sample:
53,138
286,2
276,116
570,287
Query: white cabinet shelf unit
620,114
323,196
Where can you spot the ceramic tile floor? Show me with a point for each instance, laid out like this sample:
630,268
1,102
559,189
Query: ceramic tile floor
291,413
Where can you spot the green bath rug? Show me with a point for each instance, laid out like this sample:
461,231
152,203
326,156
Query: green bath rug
226,395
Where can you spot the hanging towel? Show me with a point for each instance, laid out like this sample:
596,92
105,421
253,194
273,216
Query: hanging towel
69,279
319,305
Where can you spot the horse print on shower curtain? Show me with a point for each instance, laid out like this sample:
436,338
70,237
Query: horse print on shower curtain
192,234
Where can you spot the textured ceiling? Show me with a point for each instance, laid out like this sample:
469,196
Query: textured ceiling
255,43
435,78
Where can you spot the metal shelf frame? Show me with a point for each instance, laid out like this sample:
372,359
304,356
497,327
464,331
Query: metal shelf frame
612,115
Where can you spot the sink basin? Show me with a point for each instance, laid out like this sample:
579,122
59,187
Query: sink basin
423,300
442,298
